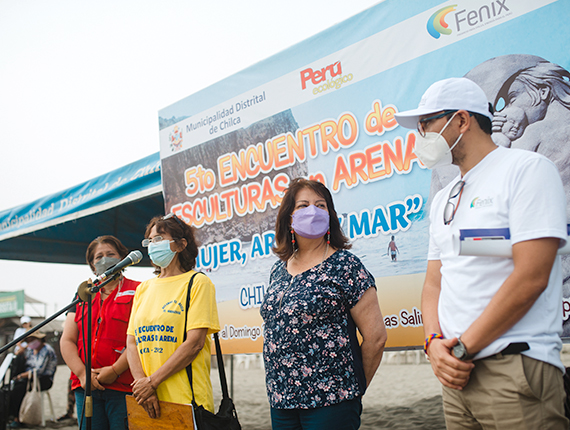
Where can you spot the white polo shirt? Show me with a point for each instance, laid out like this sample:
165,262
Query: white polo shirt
514,189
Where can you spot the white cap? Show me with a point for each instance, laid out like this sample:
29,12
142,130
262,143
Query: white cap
448,94
25,319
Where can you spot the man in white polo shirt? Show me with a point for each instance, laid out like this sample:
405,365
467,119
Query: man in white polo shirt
492,324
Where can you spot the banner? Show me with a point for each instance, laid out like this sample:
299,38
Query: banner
12,304
130,183
324,109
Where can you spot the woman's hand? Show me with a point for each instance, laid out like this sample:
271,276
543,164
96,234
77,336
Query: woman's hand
24,375
143,390
152,407
95,385
106,375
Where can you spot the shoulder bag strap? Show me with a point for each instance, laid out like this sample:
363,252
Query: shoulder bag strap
189,367
221,368
35,381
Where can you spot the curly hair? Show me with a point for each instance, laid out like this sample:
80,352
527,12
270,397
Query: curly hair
178,229
283,246
121,249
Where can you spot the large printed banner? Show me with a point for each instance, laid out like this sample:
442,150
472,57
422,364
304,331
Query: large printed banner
12,304
324,109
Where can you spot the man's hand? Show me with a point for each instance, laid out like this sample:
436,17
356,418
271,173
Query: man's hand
450,371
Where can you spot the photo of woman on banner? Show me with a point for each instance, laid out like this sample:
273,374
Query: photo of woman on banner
531,98
319,294
111,307
158,348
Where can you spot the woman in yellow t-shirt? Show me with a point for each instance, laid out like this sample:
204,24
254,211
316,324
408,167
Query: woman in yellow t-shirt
157,352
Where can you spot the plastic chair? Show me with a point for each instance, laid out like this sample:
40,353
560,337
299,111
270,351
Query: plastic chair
44,395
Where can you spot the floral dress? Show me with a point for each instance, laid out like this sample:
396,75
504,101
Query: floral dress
311,353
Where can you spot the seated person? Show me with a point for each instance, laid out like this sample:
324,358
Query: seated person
25,325
41,357
19,363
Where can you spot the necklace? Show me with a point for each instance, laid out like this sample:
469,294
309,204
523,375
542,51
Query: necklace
293,276
107,294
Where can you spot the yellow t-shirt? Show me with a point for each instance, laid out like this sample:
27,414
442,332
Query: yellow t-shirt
157,323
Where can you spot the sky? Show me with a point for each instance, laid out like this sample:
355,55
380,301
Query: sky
81,84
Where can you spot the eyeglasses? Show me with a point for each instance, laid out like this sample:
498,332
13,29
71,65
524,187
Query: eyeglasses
156,240
173,215
422,123
450,208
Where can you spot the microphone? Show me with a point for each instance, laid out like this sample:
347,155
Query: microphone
134,257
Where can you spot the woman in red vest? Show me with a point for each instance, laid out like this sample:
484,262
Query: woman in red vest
111,308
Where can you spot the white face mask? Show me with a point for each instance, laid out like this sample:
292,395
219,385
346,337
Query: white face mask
433,150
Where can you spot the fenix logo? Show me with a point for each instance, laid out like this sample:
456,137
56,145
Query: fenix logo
439,23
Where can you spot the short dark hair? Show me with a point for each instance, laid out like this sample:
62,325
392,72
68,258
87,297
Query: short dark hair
178,229
283,246
484,121
121,249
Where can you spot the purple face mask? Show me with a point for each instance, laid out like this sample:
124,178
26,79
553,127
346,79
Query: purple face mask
34,344
311,222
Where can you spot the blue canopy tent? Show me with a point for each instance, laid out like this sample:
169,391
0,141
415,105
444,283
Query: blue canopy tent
59,227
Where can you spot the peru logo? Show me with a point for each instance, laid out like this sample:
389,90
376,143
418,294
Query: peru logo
436,25
318,76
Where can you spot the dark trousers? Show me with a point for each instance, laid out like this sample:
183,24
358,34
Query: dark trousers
19,392
344,415
18,365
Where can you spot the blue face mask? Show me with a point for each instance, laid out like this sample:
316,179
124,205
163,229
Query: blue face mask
160,253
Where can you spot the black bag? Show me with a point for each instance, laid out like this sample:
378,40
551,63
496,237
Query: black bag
205,420
4,405
226,418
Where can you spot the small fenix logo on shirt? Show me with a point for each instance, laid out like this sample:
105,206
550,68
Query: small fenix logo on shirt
481,202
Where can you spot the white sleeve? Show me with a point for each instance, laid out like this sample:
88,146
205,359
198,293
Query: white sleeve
434,253
537,202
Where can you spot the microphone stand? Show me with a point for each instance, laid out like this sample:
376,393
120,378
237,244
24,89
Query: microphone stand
85,293
40,325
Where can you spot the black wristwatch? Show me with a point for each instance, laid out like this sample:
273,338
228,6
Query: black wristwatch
460,351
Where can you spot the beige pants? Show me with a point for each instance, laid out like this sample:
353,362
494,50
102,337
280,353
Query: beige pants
508,392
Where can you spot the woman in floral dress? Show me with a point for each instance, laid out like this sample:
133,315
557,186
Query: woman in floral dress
319,294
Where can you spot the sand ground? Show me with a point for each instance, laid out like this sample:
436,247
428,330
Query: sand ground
403,395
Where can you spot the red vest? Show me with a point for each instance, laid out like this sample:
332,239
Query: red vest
109,321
